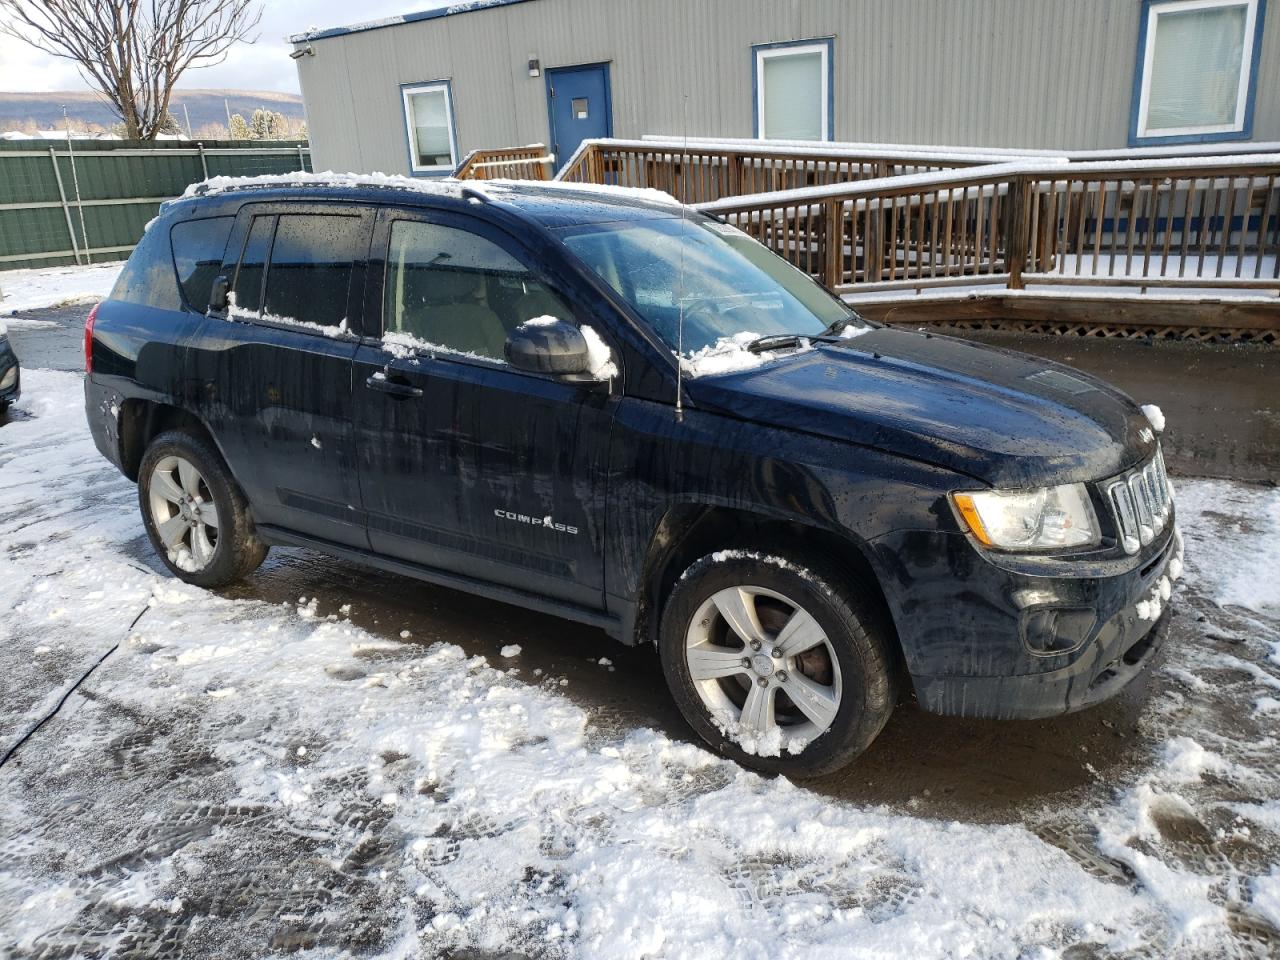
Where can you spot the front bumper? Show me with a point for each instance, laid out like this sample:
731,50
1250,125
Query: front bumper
985,668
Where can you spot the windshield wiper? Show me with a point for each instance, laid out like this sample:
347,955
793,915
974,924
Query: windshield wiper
835,326
776,341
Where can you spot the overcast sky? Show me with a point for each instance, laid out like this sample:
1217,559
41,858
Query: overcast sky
264,65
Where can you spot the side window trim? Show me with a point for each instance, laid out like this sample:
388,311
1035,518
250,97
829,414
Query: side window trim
266,257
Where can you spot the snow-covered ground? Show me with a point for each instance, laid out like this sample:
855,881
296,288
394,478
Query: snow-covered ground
52,286
240,779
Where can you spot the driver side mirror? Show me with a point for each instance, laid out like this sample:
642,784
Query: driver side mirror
218,297
546,345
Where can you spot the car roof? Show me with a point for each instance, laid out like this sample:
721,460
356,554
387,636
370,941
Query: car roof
551,204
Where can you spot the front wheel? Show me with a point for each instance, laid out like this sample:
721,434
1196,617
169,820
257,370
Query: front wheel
194,512
777,662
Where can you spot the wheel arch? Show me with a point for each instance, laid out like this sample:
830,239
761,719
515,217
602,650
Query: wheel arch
141,421
689,531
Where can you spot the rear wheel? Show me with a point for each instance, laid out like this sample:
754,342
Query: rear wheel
776,662
194,512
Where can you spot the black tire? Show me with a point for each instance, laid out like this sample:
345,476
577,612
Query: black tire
852,623
237,551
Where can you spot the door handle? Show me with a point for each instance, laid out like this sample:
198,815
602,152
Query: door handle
397,389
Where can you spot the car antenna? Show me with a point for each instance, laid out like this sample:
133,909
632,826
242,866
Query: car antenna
684,220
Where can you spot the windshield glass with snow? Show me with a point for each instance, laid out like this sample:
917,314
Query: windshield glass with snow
729,285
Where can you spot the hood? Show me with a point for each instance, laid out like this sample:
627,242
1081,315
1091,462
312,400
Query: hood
1006,418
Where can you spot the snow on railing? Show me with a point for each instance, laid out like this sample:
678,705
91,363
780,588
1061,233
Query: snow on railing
1192,222
699,174
991,154
530,162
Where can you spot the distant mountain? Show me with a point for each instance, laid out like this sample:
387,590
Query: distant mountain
204,106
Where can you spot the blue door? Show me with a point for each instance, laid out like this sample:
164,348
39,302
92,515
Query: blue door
579,107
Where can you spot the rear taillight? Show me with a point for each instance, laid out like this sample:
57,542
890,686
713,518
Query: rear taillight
88,338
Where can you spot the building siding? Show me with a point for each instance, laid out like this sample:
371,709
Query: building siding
1024,74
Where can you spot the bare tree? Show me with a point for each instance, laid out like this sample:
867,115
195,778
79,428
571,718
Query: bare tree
133,51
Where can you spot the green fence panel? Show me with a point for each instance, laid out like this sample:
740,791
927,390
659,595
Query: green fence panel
89,200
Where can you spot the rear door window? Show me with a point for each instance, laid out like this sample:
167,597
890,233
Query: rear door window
198,246
309,280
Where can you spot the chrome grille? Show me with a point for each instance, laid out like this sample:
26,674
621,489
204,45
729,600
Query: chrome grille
1142,501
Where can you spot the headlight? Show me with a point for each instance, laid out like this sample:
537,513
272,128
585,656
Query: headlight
9,379
1030,519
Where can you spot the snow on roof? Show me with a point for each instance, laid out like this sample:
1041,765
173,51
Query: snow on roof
603,190
467,6
481,190
441,187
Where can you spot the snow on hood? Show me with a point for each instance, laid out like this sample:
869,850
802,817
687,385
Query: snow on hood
1005,418
730,355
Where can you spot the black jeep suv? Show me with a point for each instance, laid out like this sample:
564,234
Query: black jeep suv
623,412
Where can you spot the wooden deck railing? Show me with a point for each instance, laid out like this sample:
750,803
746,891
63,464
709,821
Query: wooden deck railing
1206,223
531,162
701,173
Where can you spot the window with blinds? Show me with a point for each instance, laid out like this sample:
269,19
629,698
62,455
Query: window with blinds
793,91
1196,68
428,119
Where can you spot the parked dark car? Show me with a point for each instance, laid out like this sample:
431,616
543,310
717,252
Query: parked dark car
478,386
10,373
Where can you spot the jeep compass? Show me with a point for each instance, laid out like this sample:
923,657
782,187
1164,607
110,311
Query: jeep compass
623,412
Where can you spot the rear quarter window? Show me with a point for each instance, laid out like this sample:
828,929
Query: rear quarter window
198,246
148,278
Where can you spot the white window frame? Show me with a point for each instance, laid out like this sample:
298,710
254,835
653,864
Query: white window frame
763,53
1153,13
407,91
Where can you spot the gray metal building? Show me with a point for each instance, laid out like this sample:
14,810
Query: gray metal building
415,93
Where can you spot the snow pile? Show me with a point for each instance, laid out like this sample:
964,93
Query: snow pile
599,358
853,331
404,346
1216,517
1266,896
54,286
1155,415
730,355
333,331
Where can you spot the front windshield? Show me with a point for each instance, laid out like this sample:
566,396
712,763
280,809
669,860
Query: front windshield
729,285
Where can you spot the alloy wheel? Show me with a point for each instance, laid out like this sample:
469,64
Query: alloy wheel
183,513
763,667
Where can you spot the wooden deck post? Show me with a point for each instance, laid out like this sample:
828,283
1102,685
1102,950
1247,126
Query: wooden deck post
833,243
1016,239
